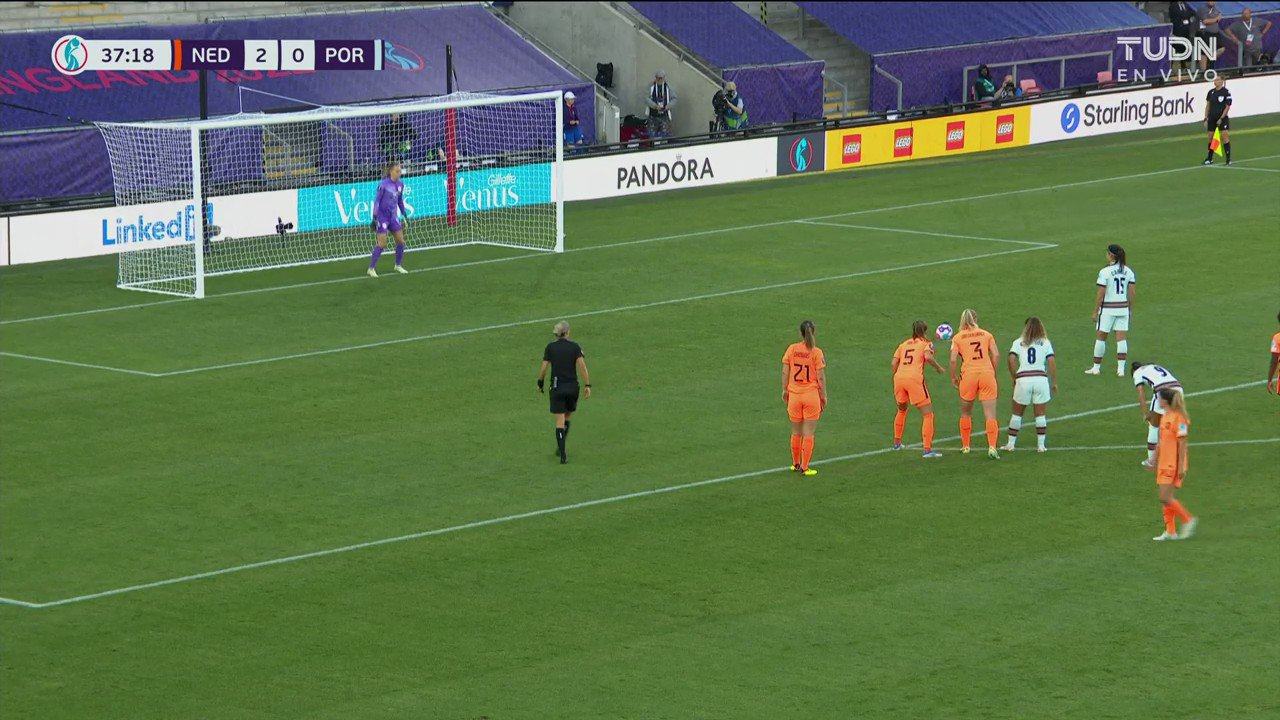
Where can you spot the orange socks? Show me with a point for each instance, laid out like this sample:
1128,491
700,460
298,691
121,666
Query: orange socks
806,451
795,449
926,431
1178,511
1169,525
966,429
993,433
899,422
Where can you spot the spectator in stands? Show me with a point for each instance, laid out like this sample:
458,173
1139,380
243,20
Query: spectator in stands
983,87
1185,23
396,138
1008,89
1247,33
735,113
572,126
1210,18
659,101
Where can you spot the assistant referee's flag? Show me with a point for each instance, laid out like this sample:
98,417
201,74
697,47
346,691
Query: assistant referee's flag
1216,143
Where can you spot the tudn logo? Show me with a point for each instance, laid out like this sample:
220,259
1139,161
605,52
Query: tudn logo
400,57
902,140
801,154
955,135
1004,129
70,56
852,151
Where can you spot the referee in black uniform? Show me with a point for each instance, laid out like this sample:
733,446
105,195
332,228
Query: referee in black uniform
564,356
1217,105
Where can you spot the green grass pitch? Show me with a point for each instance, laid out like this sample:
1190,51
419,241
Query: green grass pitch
265,423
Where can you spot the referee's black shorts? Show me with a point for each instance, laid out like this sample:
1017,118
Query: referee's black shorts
1213,121
564,399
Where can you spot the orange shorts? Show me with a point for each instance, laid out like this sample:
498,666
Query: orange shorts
982,387
1168,476
804,406
910,390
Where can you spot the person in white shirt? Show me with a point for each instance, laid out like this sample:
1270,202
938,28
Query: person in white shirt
1035,380
1156,378
1113,309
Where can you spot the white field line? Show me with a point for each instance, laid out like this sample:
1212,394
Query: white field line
20,603
605,311
924,232
1234,167
554,510
1029,449
642,241
91,366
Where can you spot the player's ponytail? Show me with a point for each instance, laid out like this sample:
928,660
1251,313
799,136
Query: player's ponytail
806,332
1033,331
1175,401
1117,252
968,319
919,329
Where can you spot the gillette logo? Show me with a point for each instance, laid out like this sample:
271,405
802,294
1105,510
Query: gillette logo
181,226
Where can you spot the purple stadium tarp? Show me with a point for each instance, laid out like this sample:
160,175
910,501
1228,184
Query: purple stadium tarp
880,27
780,93
777,81
488,56
936,76
720,32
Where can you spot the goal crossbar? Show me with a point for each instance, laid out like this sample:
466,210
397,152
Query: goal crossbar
291,189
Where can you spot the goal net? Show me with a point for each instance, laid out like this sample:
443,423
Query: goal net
287,189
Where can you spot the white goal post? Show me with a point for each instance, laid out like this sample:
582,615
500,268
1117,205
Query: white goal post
262,191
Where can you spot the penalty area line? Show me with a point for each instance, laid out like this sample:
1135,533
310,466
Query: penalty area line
642,241
539,513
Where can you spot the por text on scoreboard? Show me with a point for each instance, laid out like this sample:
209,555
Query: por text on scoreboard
73,54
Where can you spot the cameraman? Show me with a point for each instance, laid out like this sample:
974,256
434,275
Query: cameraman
735,110
1008,89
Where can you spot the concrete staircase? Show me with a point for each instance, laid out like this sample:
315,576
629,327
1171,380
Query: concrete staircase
847,81
291,151
69,15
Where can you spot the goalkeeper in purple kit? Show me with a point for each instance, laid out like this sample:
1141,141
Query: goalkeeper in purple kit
388,207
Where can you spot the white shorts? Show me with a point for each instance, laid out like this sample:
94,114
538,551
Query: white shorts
1155,401
1112,320
1031,391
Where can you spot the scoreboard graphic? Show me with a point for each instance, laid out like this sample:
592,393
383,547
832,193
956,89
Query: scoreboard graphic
72,54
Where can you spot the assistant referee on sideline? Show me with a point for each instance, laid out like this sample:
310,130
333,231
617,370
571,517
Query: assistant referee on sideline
564,356
1217,106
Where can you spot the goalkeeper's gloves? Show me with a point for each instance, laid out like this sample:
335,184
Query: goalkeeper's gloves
541,384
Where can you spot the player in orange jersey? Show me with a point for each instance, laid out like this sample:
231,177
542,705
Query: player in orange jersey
1273,378
804,390
909,385
1171,464
977,380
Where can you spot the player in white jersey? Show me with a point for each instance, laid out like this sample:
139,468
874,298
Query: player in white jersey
1157,378
1113,308
1035,380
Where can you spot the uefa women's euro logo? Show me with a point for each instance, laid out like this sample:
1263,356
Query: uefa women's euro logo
70,56
400,57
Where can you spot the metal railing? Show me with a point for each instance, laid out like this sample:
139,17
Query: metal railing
893,80
1060,59
844,92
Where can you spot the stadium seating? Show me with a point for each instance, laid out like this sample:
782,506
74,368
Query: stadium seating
931,60
778,81
489,55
